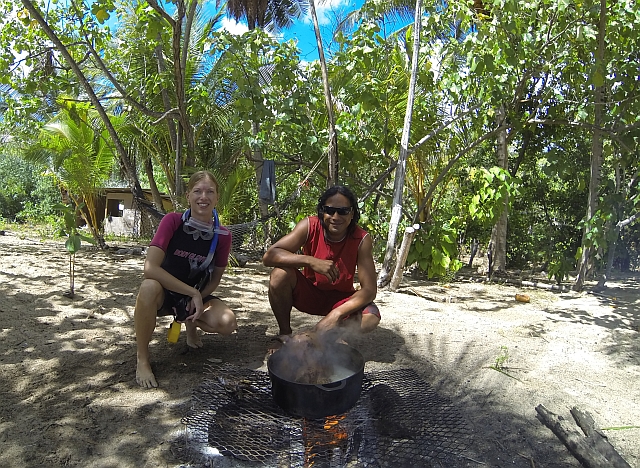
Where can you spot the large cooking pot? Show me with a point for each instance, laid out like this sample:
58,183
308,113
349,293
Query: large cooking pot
315,401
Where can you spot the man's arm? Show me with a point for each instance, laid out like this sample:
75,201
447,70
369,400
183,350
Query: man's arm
367,271
283,254
368,287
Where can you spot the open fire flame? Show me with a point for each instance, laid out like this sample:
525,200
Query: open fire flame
318,440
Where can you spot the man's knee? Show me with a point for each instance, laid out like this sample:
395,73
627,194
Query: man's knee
370,318
282,278
369,322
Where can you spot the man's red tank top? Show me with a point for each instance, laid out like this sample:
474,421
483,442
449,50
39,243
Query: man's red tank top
343,253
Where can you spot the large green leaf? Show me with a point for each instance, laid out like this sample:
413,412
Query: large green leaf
73,243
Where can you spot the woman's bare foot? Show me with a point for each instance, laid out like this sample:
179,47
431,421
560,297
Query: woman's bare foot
144,375
193,339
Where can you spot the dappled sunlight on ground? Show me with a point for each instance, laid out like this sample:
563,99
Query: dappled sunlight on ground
67,365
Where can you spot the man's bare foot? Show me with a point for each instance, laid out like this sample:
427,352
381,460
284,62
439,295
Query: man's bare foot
144,375
193,339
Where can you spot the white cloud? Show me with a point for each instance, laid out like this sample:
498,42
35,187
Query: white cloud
324,10
229,24
238,29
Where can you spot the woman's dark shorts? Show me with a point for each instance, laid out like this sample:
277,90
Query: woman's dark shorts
172,299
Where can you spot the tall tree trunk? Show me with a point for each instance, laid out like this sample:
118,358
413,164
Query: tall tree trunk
499,231
155,193
403,253
596,151
257,160
166,102
189,134
333,136
401,167
125,162
613,233
180,39
177,164
178,83
258,163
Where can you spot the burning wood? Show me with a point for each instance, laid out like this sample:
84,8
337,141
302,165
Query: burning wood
319,439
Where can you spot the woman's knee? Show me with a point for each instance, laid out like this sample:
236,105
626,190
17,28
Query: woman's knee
150,295
218,318
227,323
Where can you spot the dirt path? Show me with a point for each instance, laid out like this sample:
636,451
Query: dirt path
69,396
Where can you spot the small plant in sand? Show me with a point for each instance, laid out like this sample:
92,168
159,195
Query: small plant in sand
500,363
74,240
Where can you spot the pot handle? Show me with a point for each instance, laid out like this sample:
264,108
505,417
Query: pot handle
343,383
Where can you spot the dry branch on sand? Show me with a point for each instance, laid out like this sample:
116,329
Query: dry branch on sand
594,450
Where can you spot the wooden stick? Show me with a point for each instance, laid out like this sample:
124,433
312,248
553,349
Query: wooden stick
597,438
432,298
519,282
583,448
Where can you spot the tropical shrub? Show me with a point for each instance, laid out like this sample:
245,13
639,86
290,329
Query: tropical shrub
26,194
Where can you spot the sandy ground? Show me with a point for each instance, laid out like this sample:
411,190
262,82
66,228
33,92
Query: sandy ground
67,366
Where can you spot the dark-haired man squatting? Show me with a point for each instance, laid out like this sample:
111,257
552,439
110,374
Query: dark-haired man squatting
333,245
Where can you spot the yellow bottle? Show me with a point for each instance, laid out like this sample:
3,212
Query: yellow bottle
174,332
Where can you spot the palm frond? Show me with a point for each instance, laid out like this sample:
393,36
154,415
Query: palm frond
233,199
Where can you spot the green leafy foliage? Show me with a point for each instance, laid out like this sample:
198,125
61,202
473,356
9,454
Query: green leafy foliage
234,198
243,93
435,250
69,227
492,188
500,363
26,194
559,268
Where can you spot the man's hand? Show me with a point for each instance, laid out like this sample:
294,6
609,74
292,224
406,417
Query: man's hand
327,268
328,322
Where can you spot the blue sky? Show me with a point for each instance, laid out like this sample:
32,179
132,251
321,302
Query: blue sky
329,12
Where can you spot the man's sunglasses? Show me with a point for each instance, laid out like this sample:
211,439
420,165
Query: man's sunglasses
331,210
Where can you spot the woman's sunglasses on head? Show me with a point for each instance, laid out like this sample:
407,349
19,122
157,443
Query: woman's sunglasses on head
331,210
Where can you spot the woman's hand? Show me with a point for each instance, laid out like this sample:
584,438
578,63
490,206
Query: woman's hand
195,307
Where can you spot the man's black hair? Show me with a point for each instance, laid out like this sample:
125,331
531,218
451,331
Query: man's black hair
345,191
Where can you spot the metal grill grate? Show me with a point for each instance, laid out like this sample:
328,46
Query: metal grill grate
398,421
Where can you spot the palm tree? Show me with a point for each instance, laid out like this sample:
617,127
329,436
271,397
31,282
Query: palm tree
333,136
77,150
401,10
270,15
158,144
184,47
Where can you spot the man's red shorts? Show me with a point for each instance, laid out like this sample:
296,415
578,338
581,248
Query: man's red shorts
311,300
